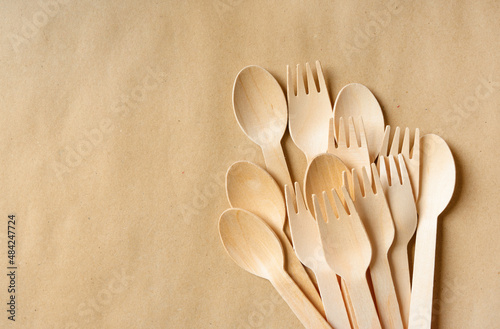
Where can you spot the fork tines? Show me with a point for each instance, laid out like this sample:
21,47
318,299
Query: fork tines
341,140
411,154
395,147
298,88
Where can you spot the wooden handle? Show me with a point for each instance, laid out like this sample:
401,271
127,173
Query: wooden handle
348,304
364,308
423,274
276,164
385,294
296,270
300,305
335,309
401,274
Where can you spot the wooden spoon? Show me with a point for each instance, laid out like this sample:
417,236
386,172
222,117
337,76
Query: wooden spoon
355,100
261,111
250,187
255,247
437,182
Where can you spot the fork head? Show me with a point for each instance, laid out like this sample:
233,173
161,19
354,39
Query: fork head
399,195
304,230
298,88
395,147
411,158
390,175
373,209
345,242
309,110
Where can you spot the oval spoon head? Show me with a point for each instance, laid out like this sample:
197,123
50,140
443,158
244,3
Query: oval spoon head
324,173
437,175
259,105
355,100
250,187
250,242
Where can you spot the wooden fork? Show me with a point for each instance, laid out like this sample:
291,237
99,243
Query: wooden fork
412,159
307,245
351,150
374,211
309,111
348,252
404,213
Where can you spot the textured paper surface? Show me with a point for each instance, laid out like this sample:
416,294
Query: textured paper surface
117,129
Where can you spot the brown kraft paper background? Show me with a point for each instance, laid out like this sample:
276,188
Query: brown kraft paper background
117,128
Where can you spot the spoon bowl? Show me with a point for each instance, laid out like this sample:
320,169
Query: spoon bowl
250,242
437,175
250,187
355,100
259,105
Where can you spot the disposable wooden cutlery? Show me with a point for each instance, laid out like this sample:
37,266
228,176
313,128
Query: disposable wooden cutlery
348,252
261,111
307,245
355,100
250,187
351,150
363,218
404,213
324,173
309,111
412,160
255,247
373,210
437,184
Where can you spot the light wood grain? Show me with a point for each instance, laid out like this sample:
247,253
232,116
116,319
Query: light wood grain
254,246
437,183
261,111
356,100
307,245
399,194
348,252
309,111
250,187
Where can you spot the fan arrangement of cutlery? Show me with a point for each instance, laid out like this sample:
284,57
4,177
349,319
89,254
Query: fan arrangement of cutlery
342,259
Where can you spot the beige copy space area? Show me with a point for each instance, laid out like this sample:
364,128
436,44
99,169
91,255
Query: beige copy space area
116,129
